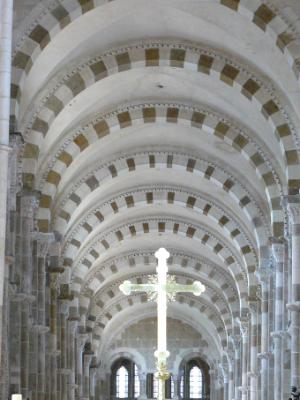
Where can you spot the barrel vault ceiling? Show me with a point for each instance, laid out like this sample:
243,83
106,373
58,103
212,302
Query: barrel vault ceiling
165,123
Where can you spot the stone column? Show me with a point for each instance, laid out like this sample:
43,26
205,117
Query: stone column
231,375
87,358
224,380
5,365
243,325
236,344
253,375
143,385
53,348
264,277
213,388
6,19
43,240
28,201
278,256
72,328
64,344
81,340
176,386
93,375
293,207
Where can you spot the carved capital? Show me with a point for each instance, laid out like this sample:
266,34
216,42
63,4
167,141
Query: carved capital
264,273
24,298
252,374
243,325
73,325
65,371
64,307
293,306
235,340
243,389
264,356
253,306
278,245
29,204
43,242
277,334
40,329
82,339
292,204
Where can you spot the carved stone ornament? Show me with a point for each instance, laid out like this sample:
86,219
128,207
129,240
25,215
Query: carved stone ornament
40,329
243,389
43,242
263,274
29,204
264,356
278,249
24,298
293,209
243,325
293,306
277,334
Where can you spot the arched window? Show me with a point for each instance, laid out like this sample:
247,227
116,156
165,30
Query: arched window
196,383
194,380
122,383
125,382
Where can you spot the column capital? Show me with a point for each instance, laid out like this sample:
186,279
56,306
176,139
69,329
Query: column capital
4,147
292,205
264,273
277,334
264,356
88,358
43,242
278,247
293,306
243,389
235,340
82,339
64,307
253,303
73,326
40,329
29,202
21,297
243,325
253,374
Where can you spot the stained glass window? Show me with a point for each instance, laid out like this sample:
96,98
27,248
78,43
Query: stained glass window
195,383
122,383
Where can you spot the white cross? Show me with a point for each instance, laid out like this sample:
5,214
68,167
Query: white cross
164,288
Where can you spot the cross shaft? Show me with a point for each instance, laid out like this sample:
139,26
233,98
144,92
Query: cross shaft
162,288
